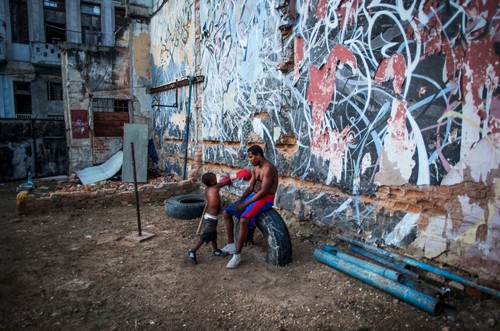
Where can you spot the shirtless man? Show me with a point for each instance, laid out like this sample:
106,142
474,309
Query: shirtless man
257,198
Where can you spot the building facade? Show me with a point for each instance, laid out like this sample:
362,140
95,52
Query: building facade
32,34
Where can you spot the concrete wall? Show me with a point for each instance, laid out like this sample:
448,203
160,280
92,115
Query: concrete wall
118,72
91,72
382,118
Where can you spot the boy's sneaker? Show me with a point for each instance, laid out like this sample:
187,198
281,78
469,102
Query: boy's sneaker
229,248
234,262
192,256
219,253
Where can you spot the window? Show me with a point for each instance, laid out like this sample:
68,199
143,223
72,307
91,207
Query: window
119,17
22,99
91,24
110,105
121,106
55,4
18,18
55,91
54,13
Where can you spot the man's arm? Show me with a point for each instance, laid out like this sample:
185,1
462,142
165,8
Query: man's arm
267,181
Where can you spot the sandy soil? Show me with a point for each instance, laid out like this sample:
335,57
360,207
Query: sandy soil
77,271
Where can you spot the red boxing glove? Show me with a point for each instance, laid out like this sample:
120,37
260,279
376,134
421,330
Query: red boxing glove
244,174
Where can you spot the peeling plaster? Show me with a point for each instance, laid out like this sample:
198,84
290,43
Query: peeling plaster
178,119
397,161
479,163
432,241
473,217
393,67
366,163
258,127
141,51
328,144
402,229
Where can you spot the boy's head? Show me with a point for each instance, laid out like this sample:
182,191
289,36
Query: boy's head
209,179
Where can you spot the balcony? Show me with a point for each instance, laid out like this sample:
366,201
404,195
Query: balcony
45,54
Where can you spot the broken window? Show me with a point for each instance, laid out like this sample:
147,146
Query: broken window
55,91
22,99
91,24
119,18
54,12
110,105
110,115
18,18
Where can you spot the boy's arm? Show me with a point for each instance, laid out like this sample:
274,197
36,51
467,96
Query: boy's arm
223,182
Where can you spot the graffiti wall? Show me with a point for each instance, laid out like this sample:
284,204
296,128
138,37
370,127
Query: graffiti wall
380,94
383,92
173,59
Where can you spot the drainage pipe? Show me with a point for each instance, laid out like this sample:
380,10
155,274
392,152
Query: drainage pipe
379,270
383,261
423,266
405,293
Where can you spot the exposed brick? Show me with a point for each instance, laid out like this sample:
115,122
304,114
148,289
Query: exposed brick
397,191
414,194
400,206
383,189
477,194
414,209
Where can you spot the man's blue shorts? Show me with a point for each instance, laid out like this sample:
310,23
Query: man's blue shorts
254,209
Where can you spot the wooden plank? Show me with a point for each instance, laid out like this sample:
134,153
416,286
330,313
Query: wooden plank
178,83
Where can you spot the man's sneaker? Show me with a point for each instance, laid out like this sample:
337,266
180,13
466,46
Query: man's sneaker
192,256
229,248
219,253
234,262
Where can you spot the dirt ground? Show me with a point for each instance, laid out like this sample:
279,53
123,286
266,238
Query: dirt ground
77,271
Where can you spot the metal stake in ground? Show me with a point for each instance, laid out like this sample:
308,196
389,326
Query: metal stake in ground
140,236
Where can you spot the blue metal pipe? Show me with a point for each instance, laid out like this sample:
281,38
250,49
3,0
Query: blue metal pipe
423,266
426,288
188,120
383,261
405,293
370,248
379,270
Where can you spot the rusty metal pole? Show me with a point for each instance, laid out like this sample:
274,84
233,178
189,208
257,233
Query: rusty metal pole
136,192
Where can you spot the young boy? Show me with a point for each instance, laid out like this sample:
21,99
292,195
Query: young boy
212,210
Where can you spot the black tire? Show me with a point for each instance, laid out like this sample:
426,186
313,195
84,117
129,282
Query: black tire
276,236
185,206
